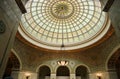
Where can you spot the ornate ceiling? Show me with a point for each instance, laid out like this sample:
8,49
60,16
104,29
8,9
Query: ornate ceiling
32,57
72,23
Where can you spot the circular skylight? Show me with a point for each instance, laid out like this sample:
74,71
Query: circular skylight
68,22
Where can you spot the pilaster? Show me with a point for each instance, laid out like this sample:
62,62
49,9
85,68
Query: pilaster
72,76
53,76
15,74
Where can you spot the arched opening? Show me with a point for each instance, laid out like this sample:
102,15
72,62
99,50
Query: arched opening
81,72
114,65
63,72
12,68
44,72
117,65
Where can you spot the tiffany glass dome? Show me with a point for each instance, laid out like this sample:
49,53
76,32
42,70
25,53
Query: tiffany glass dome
74,23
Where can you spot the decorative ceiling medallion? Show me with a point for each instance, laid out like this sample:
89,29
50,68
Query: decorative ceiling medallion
62,9
2,27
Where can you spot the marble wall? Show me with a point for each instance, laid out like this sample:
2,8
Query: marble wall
10,16
114,14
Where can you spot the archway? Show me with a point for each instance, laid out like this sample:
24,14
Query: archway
13,64
63,72
81,72
114,65
44,72
117,65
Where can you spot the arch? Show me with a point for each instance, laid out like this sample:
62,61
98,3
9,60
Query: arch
13,65
66,66
44,72
81,72
88,69
110,56
37,69
63,71
113,59
17,57
113,63
117,65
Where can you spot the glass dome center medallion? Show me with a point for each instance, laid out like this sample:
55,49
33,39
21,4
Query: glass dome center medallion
62,9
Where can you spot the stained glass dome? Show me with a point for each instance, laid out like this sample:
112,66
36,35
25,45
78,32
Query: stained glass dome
51,23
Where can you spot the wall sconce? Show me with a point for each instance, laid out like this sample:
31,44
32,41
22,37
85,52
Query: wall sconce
27,75
99,75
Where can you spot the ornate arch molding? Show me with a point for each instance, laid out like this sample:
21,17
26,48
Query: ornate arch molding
112,60
37,69
65,68
88,69
18,58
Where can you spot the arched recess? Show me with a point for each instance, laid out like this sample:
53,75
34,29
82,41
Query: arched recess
63,72
113,64
19,59
13,64
81,72
44,72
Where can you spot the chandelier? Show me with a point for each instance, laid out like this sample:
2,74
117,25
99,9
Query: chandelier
63,12
62,62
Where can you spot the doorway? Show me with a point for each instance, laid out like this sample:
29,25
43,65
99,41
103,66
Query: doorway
44,72
63,73
81,72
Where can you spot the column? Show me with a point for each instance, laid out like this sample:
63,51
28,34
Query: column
15,74
72,76
114,14
53,76
9,15
112,74
1,76
92,76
